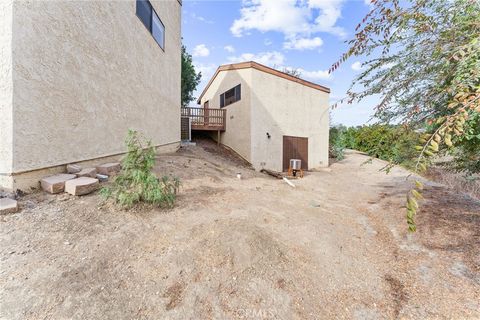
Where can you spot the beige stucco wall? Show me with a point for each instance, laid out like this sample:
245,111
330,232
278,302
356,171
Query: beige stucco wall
6,91
84,72
275,105
236,135
285,108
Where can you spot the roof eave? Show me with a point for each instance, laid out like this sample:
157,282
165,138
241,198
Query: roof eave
261,67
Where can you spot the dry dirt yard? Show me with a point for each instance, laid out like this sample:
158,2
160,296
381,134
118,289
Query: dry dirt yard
336,246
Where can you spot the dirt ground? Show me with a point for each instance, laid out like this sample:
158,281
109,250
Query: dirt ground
336,246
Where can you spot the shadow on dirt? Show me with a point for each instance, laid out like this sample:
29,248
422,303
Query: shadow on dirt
451,223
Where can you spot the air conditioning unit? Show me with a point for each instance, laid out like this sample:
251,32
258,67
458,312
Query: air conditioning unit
295,164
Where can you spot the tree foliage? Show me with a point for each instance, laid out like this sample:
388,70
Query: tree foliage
190,78
424,63
336,143
294,72
467,148
391,143
137,182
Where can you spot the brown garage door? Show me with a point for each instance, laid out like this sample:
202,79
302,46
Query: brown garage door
295,148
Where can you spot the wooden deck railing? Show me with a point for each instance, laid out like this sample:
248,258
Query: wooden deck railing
206,119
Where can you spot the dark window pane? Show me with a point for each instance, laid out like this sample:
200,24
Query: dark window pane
144,12
158,30
237,93
229,94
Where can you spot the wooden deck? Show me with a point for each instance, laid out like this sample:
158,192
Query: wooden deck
206,119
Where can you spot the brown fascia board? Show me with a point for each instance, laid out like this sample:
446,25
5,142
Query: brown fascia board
261,67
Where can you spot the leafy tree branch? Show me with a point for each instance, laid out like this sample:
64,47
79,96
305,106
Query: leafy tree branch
424,63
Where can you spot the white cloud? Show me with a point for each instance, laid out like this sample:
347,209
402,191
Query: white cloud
315,75
270,15
207,70
271,58
229,48
303,43
290,17
200,18
277,60
267,42
357,66
330,12
201,50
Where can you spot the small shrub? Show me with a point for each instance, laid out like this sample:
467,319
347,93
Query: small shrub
337,152
336,146
136,182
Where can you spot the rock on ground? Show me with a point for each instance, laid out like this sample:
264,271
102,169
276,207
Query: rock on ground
73,168
87,172
81,186
56,183
8,205
109,168
101,177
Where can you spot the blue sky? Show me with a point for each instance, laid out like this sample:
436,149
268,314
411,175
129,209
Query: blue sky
308,35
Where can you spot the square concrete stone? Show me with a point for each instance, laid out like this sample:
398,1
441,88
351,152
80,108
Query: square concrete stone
81,186
73,168
56,183
109,169
8,205
87,172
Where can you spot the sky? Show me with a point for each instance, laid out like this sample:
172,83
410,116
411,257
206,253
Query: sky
308,35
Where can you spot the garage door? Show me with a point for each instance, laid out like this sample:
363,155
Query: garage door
295,148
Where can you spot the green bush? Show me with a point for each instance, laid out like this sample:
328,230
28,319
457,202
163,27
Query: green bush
337,152
336,147
136,181
387,142
466,155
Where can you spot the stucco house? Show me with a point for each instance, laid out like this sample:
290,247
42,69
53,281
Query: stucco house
76,75
269,117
